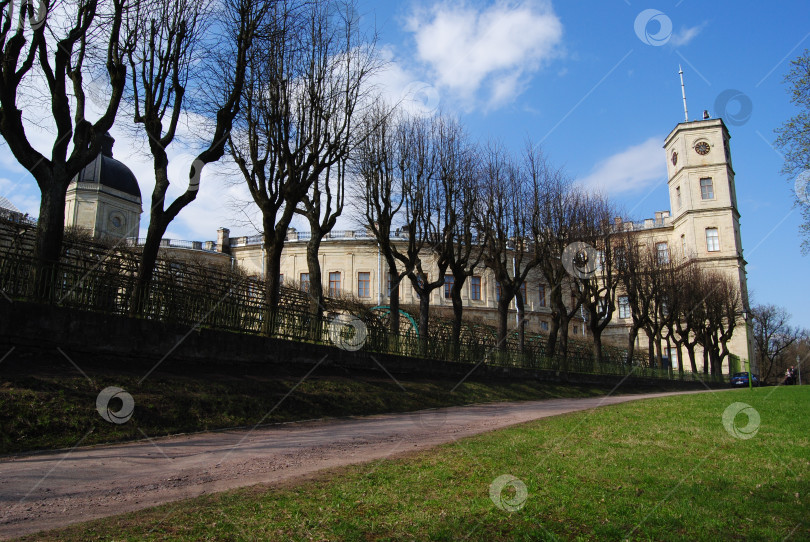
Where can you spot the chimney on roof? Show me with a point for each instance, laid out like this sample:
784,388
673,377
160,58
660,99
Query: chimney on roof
223,240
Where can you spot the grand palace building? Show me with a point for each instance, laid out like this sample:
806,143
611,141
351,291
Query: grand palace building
703,224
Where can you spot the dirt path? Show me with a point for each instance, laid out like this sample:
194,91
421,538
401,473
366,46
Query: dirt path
48,490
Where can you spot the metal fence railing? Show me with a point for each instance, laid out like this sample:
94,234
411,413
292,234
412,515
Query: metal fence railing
102,280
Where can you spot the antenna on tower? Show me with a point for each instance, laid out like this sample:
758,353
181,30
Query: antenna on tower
683,93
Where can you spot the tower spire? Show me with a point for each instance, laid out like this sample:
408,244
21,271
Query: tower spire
683,93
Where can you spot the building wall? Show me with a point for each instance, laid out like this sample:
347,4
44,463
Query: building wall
683,229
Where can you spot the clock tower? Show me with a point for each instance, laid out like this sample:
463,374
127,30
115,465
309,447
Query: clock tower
703,199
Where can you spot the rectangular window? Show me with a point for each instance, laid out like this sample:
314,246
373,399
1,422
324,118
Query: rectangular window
677,197
624,307
334,283
281,278
712,240
475,288
683,245
523,293
364,284
576,330
542,297
304,280
497,291
544,326
390,282
449,280
662,252
706,188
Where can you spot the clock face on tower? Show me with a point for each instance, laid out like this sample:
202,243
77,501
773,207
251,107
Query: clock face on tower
674,158
702,148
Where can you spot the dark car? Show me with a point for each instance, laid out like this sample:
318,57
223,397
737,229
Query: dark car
741,379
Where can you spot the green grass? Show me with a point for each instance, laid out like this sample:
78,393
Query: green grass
660,469
56,408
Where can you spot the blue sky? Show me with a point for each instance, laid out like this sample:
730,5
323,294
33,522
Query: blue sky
596,85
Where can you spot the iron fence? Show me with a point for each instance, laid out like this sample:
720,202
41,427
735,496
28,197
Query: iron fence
97,279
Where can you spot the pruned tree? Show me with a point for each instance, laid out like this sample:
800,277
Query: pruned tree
723,307
424,215
559,207
323,204
304,84
457,171
631,259
509,216
598,280
380,192
773,338
168,57
58,47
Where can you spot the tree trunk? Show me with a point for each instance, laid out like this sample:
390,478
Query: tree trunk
147,262
458,311
551,343
690,349
705,360
274,244
503,313
424,321
679,347
521,311
597,346
631,344
393,300
315,278
50,233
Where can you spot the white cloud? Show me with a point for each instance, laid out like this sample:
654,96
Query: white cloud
685,35
630,170
492,50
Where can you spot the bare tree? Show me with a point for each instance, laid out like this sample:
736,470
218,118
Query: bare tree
57,48
322,206
169,45
425,218
723,309
599,279
304,84
559,205
509,217
457,174
689,308
379,165
773,338
632,259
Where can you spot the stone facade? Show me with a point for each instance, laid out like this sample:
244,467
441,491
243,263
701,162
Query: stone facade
703,224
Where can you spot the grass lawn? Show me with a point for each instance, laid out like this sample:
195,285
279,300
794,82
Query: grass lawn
54,406
661,469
